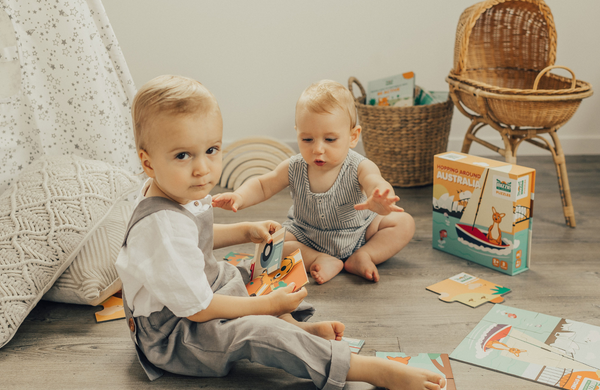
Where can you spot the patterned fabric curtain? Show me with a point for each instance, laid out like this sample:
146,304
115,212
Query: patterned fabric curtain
64,86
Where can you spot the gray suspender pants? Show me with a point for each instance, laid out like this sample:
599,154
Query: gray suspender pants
166,342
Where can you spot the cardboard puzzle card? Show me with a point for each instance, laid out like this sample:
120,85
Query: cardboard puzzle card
542,348
355,344
291,270
468,289
268,255
435,362
113,310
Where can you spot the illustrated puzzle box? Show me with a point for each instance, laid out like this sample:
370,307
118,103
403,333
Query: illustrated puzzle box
482,210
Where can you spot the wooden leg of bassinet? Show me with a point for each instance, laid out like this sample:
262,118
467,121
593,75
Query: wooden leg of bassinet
468,141
563,180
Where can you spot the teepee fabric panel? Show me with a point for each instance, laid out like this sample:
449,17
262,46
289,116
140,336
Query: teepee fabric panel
64,86
46,216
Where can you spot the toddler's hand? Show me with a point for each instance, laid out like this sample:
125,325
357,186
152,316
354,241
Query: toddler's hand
261,231
381,203
227,201
285,300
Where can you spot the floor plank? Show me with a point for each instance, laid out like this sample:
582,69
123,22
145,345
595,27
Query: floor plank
60,346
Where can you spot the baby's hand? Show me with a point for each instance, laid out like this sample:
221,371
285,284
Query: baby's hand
381,203
228,201
261,231
285,300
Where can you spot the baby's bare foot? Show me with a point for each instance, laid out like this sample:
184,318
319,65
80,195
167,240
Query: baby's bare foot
329,330
360,264
406,377
325,267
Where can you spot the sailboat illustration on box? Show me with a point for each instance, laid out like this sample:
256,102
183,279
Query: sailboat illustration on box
490,222
470,235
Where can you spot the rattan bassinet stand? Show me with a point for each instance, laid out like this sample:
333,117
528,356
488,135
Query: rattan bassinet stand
503,54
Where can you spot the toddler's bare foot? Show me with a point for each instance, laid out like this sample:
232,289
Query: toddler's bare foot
325,267
360,264
329,330
406,377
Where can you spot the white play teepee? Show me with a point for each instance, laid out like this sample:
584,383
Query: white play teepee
64,86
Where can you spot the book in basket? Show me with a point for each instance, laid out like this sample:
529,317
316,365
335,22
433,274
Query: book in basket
397,91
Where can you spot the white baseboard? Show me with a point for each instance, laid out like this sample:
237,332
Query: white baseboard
572,146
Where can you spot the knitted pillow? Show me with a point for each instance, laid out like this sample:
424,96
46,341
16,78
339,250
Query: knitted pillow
46,217
92,277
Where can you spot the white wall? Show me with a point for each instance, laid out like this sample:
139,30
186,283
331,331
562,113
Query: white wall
257,56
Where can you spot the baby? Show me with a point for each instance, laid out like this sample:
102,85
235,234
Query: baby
344,214
189,314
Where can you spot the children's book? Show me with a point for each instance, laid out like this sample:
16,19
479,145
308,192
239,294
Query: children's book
355,344
435,362
268,255
397,91
542,348
291,270
468,289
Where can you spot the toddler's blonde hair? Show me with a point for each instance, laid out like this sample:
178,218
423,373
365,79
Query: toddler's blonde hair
168,94
327,95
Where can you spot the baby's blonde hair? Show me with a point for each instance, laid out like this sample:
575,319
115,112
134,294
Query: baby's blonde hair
327,95
168,94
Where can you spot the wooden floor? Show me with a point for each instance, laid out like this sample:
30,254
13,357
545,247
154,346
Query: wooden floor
60,346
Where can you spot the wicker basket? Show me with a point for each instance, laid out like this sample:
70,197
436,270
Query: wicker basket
403,140
503,53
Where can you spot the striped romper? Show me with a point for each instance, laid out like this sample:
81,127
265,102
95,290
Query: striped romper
328,222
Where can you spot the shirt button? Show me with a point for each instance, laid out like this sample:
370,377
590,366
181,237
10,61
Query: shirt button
196,203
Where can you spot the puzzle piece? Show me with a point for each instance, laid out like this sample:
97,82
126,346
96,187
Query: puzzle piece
355,344
113,310
542,348
436,362
291,270
235,258
468,289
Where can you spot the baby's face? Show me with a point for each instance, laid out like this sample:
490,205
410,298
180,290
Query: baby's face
185,154
324,139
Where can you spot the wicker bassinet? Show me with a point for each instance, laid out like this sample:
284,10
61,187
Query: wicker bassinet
503,52
403,140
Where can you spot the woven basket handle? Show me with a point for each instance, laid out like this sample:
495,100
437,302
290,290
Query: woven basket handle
363,96
546,69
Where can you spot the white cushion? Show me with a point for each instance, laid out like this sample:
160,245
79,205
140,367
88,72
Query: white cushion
92,277
46,217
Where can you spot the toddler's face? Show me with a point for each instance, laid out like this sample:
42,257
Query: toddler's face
184,156
324,139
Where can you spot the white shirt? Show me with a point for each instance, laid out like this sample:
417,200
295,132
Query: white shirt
161,265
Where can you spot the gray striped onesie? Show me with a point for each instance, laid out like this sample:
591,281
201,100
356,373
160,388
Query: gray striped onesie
328,222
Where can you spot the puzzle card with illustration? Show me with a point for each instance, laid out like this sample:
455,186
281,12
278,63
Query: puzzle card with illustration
355,344
542,348
268,255
435,362
468,289
290,270
113,310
